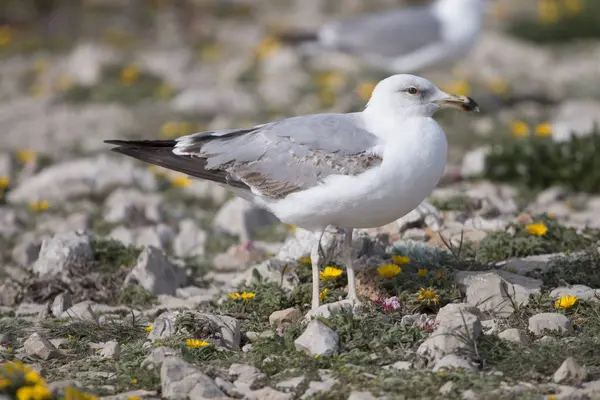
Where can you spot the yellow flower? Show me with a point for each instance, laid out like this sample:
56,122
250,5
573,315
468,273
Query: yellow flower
543,129
209,52
248,295
400,260
330,79
327,96
37,392
4,182
33,378
235,296
4,383
330,273
305,260
548,11
565,302
323,294
156,170
422,272
552,397
498,86
181,181
573,6
149,328
267,47
5,35
389,270
196,343
365,89
64,83
129,74
461,87
428,296
26,156
519,129
134,398
39,206
134,381
537,229
165,91
293,229
169,130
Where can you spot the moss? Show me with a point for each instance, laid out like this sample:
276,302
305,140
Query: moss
110,255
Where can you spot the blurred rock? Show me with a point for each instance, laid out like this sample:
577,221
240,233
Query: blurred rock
9,222
582,292
84,64
452,361
210,102
60,304
542,322
62,252
79,221
317,339
132,207
190,240
155,273
240,218
5,165
111,350
575,117
27,249
158,236
514,335
81,311
180,380
473,163
570,371
10,294
38,346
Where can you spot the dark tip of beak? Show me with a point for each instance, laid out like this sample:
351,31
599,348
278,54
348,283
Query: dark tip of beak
471,105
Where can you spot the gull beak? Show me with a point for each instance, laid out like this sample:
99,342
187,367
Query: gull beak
463,103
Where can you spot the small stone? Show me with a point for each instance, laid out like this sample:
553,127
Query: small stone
288,315
514,335
582,292
111,349
526,265
28,309
155,273
452,361
38,346
473,163
317,339
27,250
158,236
180,381
240,218
157,356
245,374
446,388
10,294
290,384
132,207
415,234
80,311
60,304
316,387
549,321
402,365
361,396
570,371
330,309
64,251
546,340
190,241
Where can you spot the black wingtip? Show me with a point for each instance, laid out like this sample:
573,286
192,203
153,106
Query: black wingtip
142,143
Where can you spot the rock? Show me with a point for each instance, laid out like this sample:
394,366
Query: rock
164,325
551,195
85,62
6,168
155,273
63,252
425,215
267,393
575,118
570,372
29,309
316,387
132,207
134,394
79,221
447,388
549,321
268,271
330,309
291,384
60,304
212,191
523,266
452,361
473,163
181,381
38,346
455,322
415,234
80,311
158,236
79,178
111,349
245,375
497,292
241,218
190,241
514,335
27,249
400,365
317,339
582,292
10,294
9,222
288,315
157,356
361,396
210,102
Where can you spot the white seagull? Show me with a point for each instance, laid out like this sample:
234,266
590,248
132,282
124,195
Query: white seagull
406,40
357,170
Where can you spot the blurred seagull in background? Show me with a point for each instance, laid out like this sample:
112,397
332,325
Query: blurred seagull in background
357,170
407,40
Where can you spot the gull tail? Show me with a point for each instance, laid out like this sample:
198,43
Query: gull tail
160,152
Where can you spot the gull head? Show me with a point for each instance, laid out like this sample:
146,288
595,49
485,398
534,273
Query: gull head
409,95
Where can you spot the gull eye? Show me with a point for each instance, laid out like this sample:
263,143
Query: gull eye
412,90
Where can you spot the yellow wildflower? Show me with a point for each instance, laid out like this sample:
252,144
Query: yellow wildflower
498,86
461,87
428,296
422,272
543,129
5,35
156,170
330,273
4,182
196,343
293,229
537,229
573,6
552,397
169,130
235,296
248,295
267,47
165,91
33,378
519,129
134,398
323,294
327,96
129,74
149,328
134,381
37,392
185,128
400,260
365,89
330,79
26,156
305,260
209,52
565,302
181,181
39,206
389,270
548,11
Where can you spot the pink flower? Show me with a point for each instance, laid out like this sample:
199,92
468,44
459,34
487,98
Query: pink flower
389,304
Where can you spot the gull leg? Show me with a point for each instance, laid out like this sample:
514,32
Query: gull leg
347,249
315,259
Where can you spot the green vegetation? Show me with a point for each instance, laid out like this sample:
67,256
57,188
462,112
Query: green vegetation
111,255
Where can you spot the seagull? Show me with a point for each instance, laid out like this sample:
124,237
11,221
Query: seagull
406,40
347,171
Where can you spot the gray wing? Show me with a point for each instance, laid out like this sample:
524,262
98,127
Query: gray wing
388,34
279,158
